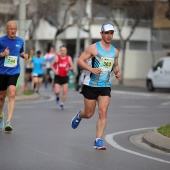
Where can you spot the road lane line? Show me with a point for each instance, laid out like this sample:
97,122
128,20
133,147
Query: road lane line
165,103
144,94
132,93
110,139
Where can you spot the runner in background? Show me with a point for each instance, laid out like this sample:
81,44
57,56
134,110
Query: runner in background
52,75
48,58
78,78
28,70
37,72
61,65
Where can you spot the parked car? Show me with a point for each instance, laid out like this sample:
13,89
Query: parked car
159,75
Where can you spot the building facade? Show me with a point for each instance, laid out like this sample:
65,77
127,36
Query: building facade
144,47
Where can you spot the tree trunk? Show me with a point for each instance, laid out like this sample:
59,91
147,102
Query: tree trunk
123,47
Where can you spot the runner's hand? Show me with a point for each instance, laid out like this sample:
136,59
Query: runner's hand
96,71
6,52
26,56
117,74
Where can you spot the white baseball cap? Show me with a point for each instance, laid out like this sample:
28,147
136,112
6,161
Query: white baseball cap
107,26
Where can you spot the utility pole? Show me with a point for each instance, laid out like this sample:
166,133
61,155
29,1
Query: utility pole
78,29
89,18
22,17
78,39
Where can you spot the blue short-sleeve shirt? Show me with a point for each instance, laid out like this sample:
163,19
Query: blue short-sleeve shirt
10,65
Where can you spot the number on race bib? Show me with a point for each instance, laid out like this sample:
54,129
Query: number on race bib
11,61
106,64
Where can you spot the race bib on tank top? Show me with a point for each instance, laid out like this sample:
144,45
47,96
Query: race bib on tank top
106,64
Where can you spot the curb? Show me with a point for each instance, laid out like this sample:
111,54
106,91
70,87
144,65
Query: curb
26,97
156,140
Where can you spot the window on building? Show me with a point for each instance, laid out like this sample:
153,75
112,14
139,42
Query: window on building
116,44
166,46
138,45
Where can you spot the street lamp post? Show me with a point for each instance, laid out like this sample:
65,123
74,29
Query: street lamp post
22,17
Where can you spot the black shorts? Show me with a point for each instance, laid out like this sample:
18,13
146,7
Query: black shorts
37,75
61,80
92,93
48,71
28,70
7,80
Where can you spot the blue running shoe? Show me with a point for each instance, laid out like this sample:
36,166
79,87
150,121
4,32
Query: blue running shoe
57,99
61,106
2,121
45,85
99,145
8,127
75,121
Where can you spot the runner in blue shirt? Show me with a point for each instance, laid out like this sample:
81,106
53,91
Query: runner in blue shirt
11,49
37,73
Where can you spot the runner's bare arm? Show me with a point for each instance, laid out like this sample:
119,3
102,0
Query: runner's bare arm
116,69
90,52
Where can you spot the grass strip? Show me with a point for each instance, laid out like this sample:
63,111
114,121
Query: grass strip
164,130
28,92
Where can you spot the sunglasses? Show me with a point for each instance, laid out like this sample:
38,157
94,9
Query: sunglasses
109,32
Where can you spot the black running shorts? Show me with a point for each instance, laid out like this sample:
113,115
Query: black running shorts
92,93
61,80
28,70
48,71
7,80
37,75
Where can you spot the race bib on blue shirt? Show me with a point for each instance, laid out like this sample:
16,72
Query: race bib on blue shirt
10,61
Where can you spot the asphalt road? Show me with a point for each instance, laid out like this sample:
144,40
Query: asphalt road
43,139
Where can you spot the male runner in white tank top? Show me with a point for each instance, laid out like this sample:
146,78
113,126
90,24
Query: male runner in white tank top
99,60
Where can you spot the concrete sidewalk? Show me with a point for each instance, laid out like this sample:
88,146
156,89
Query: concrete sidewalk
26,97
156,140
131,83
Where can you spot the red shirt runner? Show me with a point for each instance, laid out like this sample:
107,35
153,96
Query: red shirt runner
62,65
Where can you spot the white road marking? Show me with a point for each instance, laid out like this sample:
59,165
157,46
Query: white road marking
43,100
132,93
159,95
110,139
51,97
165,103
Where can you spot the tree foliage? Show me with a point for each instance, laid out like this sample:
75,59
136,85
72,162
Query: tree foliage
119,11
56,12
